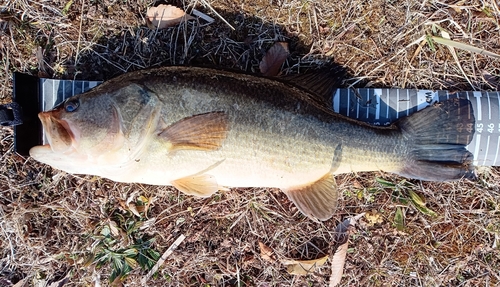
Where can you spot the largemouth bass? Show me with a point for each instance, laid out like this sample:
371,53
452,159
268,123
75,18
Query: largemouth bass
202,130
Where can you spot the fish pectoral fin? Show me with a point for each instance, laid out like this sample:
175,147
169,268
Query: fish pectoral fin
317,200
199,132
201,185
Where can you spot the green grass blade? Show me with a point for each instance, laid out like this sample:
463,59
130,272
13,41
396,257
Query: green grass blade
419,204
399,219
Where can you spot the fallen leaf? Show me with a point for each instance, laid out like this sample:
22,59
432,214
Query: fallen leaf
123,204
164,16
357,185
180,220
143,199
338,262
302,267
148,223
133,208
147,203
266,252
113,227
374,218
275,57
338,259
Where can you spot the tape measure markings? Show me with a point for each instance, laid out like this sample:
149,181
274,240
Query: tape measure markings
378,94
357,106
476,148
367,104
496,153
336,101
348,108
487,150
498,105
478,105
371,105
489,108
407,102
397,104
386,105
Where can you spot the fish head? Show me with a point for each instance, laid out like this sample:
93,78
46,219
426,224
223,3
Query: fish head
81,129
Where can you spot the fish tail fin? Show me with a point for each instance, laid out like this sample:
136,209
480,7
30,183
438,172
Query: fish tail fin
437,137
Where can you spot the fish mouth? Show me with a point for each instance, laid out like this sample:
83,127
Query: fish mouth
57,131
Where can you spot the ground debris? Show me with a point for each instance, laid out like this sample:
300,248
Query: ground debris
270,64
47,216
165,16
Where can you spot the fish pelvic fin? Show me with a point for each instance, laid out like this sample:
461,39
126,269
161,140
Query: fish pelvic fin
199,132
201,185
317,200
437,137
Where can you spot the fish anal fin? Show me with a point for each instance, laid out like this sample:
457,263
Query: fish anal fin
317,200
201,185
199,132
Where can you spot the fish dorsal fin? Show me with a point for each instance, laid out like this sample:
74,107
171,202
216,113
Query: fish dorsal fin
199,132
321,83
317,200
202,185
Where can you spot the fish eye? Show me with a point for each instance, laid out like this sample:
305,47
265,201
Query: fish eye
71,105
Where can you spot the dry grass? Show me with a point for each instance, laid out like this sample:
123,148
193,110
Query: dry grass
50,220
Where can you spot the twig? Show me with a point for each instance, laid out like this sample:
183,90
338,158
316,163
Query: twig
10,242
451,48
202,16
218,15
162,259
399,52
79,35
